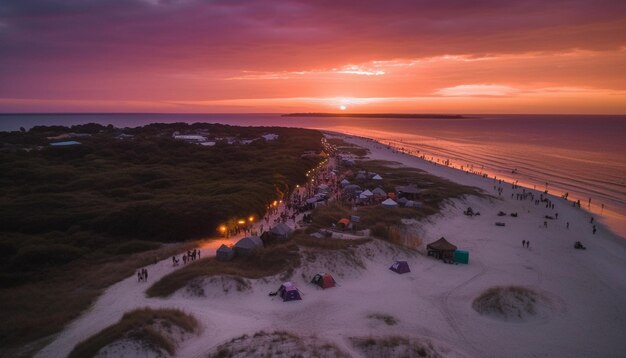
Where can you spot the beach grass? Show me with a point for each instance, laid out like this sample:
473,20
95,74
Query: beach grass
42,308
281,258
140,325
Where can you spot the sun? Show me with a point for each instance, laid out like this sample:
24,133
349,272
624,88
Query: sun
343,107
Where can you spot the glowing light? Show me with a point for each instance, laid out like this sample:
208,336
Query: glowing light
241,222
343,107
223,228
251,218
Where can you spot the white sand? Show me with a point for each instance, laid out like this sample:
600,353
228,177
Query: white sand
586,316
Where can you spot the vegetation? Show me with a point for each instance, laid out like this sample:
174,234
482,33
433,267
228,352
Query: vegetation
86,216
282,258
278,344
141,325
395,346
344,147
509,303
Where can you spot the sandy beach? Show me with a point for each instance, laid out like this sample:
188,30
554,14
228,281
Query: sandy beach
580,312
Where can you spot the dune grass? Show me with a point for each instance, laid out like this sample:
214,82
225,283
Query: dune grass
394,346
280,258
304,240
388,319
508,302
139,325
43,307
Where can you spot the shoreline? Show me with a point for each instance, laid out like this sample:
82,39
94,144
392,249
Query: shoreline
604,218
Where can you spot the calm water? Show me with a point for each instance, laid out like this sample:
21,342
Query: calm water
584,156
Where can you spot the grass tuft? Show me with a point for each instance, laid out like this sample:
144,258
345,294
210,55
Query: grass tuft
138,325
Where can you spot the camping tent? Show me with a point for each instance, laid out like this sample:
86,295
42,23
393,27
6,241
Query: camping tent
441,249
224,253
400,267
345,182
389,203
377,177
323,280
379,192
343,223
247,245
281,231
289,292
367,193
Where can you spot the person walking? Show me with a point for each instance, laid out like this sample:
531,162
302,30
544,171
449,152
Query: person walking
523,243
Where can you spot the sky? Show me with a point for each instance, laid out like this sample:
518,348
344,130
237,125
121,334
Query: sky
408,56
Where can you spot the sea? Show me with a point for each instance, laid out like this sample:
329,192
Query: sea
583,156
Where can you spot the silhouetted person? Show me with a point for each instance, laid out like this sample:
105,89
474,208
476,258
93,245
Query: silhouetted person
523,243
567,225
591,221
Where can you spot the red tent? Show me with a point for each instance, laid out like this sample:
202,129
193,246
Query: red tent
323,280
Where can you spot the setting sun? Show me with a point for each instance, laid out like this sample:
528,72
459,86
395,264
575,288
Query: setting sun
343,107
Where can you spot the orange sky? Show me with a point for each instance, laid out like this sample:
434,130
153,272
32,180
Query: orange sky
274,56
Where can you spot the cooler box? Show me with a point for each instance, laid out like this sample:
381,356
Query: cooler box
461,256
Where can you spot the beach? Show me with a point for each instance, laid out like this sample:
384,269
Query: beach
580,311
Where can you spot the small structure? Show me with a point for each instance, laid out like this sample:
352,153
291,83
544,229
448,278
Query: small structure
224,253
190,138
248,245
461,256
289,292
389,203
377,177
343,223
270,137
367,193
379,192
400,267
324,280
441,249
344,183
281,231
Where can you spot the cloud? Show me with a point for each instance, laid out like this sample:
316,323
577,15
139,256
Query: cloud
476,90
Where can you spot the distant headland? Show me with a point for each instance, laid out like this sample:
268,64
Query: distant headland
375,115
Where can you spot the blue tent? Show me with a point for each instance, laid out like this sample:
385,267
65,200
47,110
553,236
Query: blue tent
289,292
400,267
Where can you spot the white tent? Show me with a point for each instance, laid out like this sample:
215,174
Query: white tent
389,203
345,182
367,193
377,177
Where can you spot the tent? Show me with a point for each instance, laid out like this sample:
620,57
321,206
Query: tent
367,193
441,249
343,223
361,176
400,267
247,245
389,203
377,177
323,280
281,231
379,192
345,182
289,292
224,253
402,201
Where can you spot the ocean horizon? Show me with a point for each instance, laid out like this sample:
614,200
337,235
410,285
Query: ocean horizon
581,155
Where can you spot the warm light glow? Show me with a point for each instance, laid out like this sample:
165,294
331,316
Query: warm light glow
251,218
222,228
241,222
343,107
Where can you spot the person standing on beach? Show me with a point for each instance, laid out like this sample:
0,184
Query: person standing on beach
594,229
523,243
591,221
567,225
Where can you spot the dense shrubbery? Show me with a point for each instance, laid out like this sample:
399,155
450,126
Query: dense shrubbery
65,202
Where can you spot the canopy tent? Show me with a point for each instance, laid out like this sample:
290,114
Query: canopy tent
324,280
361,176
247,245
289,292
344,182
379,192
224,253
377,177
367,193
323,188
441,249
281,231
400,267
389,203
